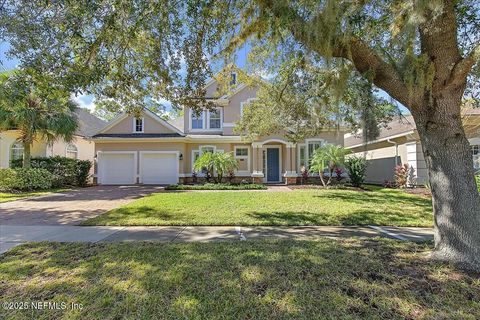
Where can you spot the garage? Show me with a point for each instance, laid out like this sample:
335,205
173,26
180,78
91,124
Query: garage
158,167
117,167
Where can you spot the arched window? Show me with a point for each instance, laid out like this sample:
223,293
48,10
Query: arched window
71,151
16,151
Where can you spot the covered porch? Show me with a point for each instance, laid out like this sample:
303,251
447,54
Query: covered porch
274,161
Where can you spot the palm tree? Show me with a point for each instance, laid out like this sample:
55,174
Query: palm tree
35,111
329,156
218,162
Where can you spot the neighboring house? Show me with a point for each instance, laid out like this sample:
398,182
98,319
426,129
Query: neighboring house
150,150
399,143
79,148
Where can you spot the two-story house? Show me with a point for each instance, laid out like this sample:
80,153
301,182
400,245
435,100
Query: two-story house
150,150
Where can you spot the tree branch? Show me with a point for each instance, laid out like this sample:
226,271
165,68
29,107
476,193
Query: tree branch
462,68
364,58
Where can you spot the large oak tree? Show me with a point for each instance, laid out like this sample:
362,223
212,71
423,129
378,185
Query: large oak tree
423,53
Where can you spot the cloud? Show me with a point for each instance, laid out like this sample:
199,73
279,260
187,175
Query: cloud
84,101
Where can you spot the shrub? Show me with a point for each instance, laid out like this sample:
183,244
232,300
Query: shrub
401,175
356,167
330,157
215,162
66,171
25,179
477,180
217,186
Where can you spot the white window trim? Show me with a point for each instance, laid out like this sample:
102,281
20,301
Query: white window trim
299,146
205,121
242,157
199,150
134,129
208,120
76,148
307,142
10,153
236,78
244,103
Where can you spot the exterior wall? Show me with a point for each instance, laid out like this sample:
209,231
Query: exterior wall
150,125
232,113
7,138
86,149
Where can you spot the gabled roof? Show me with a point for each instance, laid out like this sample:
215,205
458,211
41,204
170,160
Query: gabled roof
88,123
146,111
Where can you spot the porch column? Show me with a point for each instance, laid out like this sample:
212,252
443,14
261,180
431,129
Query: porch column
290,167
257,174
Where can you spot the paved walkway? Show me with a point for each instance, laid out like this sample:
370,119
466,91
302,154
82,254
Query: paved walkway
11,235
70,207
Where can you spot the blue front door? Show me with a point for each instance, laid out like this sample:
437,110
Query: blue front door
273,166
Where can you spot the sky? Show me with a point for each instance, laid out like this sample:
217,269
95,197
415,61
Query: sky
88,101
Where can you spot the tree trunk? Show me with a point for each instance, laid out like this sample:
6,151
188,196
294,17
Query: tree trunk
456,201
27,154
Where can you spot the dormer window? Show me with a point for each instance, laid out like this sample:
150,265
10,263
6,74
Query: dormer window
233,78
138,125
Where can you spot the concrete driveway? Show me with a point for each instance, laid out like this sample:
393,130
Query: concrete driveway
71,207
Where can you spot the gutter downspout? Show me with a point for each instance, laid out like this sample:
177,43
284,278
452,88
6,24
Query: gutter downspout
396,150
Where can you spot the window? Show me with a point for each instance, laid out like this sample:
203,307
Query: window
204,149
233,78
71,151
16,151
197,120
302,157
476,156
241,152
312,146
215,116
138,125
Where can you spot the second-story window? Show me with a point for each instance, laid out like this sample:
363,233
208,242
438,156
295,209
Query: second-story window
197,120
233,79
138,125
215,119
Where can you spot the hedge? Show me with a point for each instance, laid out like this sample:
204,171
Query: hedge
216,186
65,171
25,179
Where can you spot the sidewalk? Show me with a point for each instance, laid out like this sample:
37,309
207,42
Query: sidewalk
11,236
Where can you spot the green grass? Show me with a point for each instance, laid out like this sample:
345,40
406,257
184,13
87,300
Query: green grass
299,207
10,196
328,279
216,186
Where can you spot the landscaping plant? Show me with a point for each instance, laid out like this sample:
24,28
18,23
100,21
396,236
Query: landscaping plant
215,162
401,175
356,167
328,157
25,179
65,171
36,109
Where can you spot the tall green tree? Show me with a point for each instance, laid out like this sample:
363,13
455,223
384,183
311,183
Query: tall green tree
37,111
423,53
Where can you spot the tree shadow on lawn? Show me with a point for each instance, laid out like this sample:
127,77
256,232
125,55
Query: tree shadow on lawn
352,218
136,215
387,199
252,279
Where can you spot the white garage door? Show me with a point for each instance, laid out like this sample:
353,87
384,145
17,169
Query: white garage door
158,167
116,168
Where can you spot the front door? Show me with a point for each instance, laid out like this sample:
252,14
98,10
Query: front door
273,165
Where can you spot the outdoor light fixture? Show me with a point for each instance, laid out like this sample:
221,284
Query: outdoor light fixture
180,157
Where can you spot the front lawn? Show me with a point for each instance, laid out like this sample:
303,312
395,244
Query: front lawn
298,207
329,279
